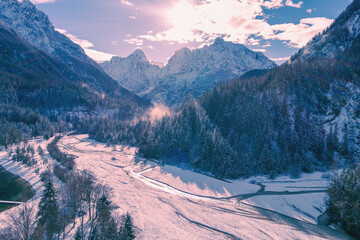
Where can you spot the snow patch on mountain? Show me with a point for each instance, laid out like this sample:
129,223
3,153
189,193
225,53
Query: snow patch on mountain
187,72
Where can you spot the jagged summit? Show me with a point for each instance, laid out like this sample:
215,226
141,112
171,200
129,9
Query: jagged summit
138,54
187,72
133,72
219,41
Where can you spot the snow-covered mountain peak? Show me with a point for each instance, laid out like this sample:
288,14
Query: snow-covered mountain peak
36,27
188,71
138,55
180,55
219,41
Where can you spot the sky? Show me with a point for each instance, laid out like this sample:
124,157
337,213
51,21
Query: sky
104,28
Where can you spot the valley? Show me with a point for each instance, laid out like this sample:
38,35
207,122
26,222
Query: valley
218,142
197,206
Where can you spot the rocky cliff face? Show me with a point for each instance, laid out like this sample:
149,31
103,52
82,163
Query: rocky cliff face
187,72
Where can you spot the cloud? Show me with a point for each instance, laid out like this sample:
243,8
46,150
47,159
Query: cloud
42,1
133,17
310,10
238,21
267,44
259,50
114,42
290,3
86,45
271,4
83,43
98,56
280,60
298,35
134,41
125,2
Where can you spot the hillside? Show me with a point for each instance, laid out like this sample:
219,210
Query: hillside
35,27
299,117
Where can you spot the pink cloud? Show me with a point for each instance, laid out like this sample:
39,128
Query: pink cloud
98,56
237,21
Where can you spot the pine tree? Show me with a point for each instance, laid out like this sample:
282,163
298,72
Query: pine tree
127,230
103,211
49,210
266,159
40,151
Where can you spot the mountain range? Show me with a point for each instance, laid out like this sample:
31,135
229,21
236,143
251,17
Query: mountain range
35,27
187,71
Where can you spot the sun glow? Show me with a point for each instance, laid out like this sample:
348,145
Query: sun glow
183,15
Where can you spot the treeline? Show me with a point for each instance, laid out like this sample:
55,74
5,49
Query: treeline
18,124
274,123
270,124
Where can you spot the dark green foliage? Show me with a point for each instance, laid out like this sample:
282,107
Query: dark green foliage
17,124
37,92
49,210
271,123
188,139
65,159
344,200
106,227
127,230
103,212
79,234
40,151
60,172
45,176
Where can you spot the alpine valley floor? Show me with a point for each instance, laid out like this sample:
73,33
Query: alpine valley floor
170,203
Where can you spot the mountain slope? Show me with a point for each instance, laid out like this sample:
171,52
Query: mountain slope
338,37
301,116
135,72
187,72
31,78
35,26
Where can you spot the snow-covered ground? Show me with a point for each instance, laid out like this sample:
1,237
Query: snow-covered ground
200,184
27,173
308,202
171,203
32,176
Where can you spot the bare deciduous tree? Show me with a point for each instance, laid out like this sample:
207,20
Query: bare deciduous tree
22,222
